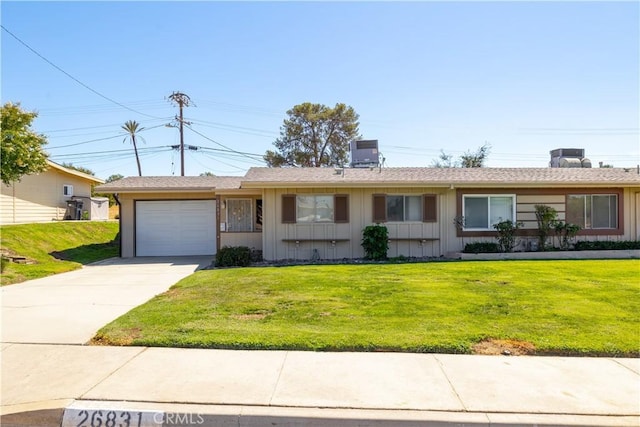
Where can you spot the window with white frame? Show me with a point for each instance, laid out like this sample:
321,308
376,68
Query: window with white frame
67,190
404,208
593,211
481,212
239,215
314,208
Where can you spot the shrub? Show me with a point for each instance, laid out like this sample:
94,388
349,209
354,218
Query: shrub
604,245
233,256
3,262
481,248
375,241
565,232
507,234
546,217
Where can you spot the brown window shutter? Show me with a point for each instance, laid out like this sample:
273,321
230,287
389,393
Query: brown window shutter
379,208
341,208
429,208
288,208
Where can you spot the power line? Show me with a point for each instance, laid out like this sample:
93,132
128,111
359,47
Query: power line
73,78
221,145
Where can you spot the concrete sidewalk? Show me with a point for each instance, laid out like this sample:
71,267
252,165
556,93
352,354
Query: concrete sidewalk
70,307
224,387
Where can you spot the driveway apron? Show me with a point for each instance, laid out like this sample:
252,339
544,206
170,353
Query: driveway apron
69,308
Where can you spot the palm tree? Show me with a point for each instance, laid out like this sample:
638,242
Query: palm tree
131,126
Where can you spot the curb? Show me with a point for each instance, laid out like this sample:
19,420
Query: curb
151,414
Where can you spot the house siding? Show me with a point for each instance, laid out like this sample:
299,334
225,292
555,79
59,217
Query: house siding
527,198
342,240
39,198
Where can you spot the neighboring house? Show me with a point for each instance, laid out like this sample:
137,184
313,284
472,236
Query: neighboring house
305,213
45,196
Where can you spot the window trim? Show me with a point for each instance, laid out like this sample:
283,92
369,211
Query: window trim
591,195
546,191
380,213
289,206
251,207
490,228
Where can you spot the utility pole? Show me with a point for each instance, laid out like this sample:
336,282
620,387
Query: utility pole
181,100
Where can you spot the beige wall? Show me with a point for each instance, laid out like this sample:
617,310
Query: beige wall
337,241
526,199
39,198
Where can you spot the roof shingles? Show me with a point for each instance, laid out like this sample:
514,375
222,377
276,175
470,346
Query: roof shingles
306,177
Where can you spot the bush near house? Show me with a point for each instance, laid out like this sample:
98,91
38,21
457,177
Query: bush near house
233,256
375,242
607,246
481,248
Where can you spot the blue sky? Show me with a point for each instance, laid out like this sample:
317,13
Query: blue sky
526,77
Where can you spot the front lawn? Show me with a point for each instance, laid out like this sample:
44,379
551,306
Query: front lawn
551,307
56,247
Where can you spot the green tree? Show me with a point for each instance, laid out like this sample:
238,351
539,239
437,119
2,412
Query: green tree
475,159
207,173
78,168
470,159
21,151
133,128
314,135
445,161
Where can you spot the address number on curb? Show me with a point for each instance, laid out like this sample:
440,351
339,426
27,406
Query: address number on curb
111,418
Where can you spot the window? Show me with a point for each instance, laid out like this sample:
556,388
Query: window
481,212
395,208
315,208
593,211
67,190
239,215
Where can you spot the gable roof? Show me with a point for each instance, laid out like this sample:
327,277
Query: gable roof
439,177
74,172
136,184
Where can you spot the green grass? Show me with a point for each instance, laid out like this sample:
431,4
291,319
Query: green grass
56,247
561,307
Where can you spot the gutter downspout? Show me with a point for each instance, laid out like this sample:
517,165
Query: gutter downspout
115,196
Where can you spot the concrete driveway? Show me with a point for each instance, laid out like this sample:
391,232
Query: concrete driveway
69,308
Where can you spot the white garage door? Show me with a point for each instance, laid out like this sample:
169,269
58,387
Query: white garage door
177,227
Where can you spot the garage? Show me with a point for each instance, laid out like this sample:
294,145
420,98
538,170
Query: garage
175,227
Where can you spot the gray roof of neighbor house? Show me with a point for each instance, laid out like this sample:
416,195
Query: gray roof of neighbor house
135,184
469,177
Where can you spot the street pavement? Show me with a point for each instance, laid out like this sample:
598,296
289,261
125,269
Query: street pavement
50,378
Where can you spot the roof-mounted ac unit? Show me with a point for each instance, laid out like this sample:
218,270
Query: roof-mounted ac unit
364,153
